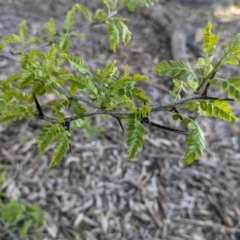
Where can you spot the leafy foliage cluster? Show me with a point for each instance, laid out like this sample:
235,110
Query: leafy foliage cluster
56,70
19,217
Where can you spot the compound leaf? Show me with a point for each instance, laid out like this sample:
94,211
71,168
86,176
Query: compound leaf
14,38
78,109
76,62
123,81
120,101
140,95
126,34
195,143
113,35
210,40
50,29
17,113
61,148
218,108
48,134
232,49
83,83
135,136
174,69
232,86
23,30
69,20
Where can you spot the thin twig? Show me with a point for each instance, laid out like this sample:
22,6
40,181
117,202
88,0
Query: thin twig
181,101
124,114
150,123
207,224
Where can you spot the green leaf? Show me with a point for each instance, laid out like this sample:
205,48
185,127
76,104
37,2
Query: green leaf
99,16
113,35
135,137
3,104
48,134
119,101
176,117
23,30
185,121
210,40
25,227
64,42
224,85
76,124
77,63
58,106
140,95
143,111
17,113
195,143
232,61
213,82
83,11
232,49
61,148
130,7
33,39
192,105
108,73
30,60
123,81
77,81
126,34
20,95
201,61
51,57
174,69
2,45
50,29
14,38
85,83
232,86
179,86
203,105
78,109
69,20
218,108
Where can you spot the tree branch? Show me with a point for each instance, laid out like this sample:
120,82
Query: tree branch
185,100
124,114
9,55
77,97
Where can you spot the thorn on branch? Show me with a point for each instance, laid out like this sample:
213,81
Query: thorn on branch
39,109
205,91
67,126
120,123
150,123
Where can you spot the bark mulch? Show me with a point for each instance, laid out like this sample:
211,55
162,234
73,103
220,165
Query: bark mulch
95,193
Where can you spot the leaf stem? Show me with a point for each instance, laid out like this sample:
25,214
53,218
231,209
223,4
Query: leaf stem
209,76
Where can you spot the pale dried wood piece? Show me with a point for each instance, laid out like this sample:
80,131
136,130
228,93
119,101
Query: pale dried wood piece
181,34
211,224
221,212
178,45
156,218
161,16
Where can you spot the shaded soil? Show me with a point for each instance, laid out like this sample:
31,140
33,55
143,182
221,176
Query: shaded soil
96,191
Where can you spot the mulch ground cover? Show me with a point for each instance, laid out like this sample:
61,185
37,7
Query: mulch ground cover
96,193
